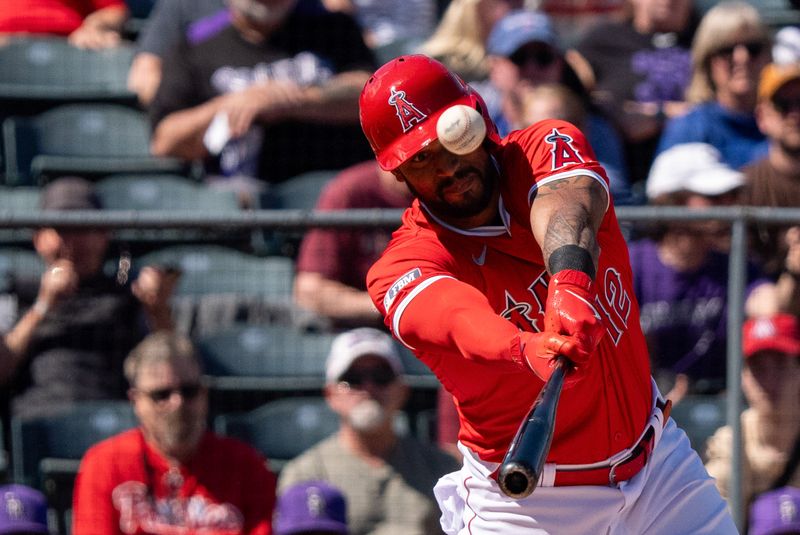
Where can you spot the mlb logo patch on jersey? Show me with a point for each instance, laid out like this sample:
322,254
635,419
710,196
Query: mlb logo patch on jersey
398,285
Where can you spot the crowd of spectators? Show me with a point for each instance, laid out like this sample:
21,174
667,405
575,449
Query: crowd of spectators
683,107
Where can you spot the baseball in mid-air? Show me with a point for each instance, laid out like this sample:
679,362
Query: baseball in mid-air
461,129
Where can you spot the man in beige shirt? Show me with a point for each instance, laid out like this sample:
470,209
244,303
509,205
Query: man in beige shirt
387,479
770,425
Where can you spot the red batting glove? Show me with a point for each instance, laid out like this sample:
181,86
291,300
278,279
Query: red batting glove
572,325
538,350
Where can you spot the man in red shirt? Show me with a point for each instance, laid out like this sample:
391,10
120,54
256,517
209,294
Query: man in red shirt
509,255
332,264
86,23
171,475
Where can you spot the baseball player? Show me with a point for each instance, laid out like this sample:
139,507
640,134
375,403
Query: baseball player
509,255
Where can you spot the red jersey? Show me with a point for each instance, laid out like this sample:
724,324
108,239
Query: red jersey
603,413
124,486
56,17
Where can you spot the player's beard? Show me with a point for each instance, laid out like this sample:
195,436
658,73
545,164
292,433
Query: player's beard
471,203
367,416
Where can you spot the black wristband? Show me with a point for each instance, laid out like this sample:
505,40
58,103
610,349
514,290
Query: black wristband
571,257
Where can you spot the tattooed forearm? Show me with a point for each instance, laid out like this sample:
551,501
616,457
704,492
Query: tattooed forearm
569,212
570,226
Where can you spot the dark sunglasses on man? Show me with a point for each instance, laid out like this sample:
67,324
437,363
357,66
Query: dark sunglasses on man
541,55
378,375
188,392
784,105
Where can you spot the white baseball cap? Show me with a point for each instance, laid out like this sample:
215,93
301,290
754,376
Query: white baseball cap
350,345
694,167
786,47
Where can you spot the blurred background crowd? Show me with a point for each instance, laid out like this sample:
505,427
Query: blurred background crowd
253,355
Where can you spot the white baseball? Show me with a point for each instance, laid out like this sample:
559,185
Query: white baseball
461,129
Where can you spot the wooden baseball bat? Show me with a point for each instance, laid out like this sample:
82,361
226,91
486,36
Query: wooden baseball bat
523,463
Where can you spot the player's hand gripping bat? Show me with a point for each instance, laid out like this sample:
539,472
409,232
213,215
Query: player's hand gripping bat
521,467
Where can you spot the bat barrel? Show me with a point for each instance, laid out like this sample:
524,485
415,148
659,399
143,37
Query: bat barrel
525,459
517,480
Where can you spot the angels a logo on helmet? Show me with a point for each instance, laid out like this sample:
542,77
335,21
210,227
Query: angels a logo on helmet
563,151
408,114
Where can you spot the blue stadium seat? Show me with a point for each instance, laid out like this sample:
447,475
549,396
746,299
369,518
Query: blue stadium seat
46,451
276,358
16,263
44,70
163,192
282,429
19,199
220,286
299,192
81,139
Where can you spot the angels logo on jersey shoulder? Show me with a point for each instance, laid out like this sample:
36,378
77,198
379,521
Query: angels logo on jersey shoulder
562,150
408,114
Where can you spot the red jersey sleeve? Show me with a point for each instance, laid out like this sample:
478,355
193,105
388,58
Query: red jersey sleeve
416,286
544,152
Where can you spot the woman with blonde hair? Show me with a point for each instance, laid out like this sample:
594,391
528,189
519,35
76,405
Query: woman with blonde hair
730,48
459,40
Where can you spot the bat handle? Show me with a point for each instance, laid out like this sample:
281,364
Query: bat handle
523,463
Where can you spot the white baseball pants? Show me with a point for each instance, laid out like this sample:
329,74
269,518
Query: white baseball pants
672,495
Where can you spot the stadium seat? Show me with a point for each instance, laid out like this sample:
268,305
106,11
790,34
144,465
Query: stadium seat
699,416
42,442
299,192
15,201
40,71
19,199
163,192
282,429
277,358
92,140
46,451
16,263
220,286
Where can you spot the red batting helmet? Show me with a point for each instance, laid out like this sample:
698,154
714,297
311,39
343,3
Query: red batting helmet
402,101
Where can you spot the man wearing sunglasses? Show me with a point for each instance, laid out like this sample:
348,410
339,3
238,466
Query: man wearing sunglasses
171,475
386,478
526,52
773,179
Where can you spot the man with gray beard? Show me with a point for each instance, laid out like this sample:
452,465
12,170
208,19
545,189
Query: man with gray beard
171,474
386,478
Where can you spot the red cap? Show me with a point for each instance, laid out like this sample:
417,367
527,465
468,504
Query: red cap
779,333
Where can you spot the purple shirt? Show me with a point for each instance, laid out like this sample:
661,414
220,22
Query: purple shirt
684,314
